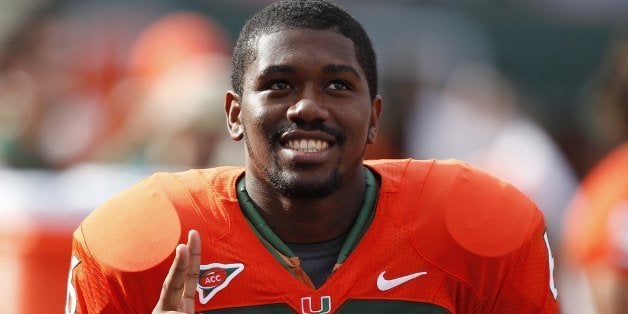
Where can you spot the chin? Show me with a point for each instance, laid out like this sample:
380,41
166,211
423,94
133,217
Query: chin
291,186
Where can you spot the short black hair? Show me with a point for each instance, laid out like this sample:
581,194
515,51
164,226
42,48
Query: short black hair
610,89
302,14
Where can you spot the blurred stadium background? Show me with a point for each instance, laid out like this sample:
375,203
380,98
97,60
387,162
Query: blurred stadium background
95,95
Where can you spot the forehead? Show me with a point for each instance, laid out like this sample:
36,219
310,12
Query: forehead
304,49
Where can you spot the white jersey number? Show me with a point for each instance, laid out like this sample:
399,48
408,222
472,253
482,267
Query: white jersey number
550,260
70,301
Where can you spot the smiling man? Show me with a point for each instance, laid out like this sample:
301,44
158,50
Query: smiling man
307,225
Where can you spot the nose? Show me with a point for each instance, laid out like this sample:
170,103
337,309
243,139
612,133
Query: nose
309,109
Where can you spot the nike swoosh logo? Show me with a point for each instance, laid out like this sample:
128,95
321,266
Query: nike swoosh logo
384,284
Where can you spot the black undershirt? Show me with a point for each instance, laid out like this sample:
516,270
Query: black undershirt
318,259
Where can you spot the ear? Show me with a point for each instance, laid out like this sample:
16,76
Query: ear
376,110
232,111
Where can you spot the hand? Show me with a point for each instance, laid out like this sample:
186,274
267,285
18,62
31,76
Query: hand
179,288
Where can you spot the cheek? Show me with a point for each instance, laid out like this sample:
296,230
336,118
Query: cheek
251,113
357,125
259,122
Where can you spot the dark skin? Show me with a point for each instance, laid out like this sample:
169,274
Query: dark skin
306,117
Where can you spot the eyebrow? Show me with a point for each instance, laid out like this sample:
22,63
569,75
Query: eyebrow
340,68
277,69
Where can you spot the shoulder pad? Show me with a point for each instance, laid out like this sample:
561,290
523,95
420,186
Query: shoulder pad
140,227
135,230
481,213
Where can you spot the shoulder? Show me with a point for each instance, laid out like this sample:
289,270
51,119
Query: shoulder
592,227
611,168
476,224
482,214
139,228
397,173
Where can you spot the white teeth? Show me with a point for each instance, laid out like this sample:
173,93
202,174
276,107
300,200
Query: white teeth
308,146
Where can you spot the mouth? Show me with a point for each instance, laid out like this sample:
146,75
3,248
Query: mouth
307,145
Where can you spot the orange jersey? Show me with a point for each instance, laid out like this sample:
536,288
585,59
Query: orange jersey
446,238
596,229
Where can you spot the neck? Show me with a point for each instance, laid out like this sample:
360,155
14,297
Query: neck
309,220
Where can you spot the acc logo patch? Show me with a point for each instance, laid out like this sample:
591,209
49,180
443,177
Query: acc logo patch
215,277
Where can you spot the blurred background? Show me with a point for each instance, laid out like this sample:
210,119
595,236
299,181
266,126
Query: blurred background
95,95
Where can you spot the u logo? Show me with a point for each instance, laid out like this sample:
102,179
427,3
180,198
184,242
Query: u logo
325,305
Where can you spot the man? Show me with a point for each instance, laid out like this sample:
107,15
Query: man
596,224
307,226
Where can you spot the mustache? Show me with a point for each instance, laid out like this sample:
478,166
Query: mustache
276,133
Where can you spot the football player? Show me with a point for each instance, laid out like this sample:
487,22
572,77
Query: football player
307,225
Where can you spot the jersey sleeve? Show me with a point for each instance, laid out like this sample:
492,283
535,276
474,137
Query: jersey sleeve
529,285
89,289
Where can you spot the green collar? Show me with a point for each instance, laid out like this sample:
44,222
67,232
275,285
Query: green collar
263,231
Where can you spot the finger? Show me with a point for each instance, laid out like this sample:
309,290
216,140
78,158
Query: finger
191,282
172,291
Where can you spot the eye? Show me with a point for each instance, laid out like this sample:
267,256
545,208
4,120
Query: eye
279,85
338,85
